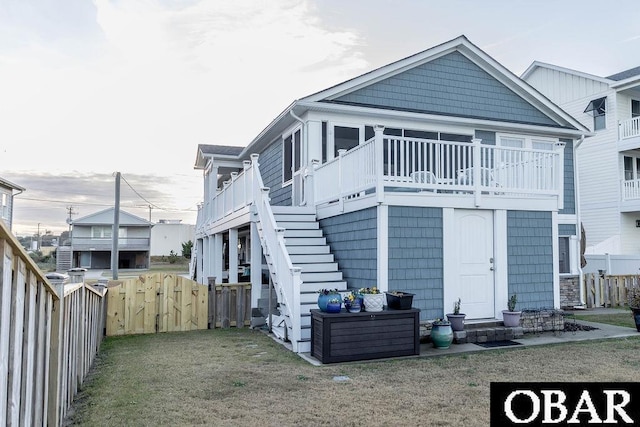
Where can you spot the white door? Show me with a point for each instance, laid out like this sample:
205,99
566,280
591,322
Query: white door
474,279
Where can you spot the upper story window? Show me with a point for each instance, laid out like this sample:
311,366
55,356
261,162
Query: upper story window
635,108
292,155
4,206
105,232
598,108
519,141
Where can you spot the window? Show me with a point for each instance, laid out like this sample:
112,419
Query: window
564,255
598,108
635,108
291,155
345,138
101,232
631,168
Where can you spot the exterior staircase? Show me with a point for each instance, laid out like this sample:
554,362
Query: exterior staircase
308,250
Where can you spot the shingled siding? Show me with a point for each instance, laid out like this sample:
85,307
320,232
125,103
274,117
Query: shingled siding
530,258
353,241
271,170
569,183
451,85
567,230
415,257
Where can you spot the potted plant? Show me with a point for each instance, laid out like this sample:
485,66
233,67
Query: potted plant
441,334
456,318
397,300
325,295
372,298
334,305
353,302
633,299
510,316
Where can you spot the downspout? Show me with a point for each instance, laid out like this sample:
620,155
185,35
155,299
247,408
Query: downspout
579,221
304,142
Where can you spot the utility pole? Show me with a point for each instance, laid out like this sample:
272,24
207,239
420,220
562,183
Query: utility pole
116,229
39,241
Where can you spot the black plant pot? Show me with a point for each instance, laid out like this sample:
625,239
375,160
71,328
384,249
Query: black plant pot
636,317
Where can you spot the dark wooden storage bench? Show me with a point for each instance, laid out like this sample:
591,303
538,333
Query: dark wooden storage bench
342,337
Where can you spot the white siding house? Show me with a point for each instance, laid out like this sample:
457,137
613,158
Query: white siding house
608,160
7,190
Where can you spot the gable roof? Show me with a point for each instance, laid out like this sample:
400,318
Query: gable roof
105,217
618,81
206,151
343,97
10,185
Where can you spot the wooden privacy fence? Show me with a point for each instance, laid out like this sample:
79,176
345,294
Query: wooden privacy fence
159,302
49,336
608,291
229,305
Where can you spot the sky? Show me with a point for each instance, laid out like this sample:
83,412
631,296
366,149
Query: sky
90,88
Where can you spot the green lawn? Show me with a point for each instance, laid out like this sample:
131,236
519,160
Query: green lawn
618,319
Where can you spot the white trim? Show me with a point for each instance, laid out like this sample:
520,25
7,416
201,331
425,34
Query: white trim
500,265
331,141
556,260
448,254
528,139
538,64
383,248
291,132
478,124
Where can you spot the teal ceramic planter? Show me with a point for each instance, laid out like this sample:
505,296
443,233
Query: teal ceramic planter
442,336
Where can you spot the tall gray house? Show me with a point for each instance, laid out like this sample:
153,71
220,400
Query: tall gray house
442,174
7,191
91,241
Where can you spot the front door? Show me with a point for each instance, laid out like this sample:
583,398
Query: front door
474,261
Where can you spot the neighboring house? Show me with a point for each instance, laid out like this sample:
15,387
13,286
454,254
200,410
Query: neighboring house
609,161
7,189
442,174
92,243
169,235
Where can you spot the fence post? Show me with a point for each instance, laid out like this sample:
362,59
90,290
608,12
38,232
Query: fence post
211,282
224,310
55,359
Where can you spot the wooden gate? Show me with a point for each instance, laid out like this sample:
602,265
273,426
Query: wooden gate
159,302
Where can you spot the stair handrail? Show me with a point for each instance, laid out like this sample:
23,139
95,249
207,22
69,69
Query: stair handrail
286,277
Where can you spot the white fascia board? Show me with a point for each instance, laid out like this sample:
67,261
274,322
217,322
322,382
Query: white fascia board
539,64
446,120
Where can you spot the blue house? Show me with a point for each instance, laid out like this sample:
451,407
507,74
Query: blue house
442,174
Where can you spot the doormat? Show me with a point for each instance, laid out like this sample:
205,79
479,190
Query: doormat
492,344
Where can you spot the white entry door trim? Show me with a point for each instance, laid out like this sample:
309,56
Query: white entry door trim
496,286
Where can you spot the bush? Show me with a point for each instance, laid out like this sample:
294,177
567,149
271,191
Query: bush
186,249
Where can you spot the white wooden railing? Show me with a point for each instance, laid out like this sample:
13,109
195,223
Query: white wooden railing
629,128
631,189
439,166
286,278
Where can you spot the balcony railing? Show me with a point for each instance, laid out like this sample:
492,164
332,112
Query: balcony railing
126,243
631,189
455,168
629,128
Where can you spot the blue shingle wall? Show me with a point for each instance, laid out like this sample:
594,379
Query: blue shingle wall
353,241
530,258
569,183
450,85
271,170
415,257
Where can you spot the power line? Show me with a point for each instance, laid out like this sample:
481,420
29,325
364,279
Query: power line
139,195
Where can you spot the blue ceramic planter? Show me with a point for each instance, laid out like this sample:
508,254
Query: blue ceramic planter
324,299
334,307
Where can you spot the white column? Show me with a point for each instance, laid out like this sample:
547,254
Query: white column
256,265
314,141
383,248
560,174
199,261
233,255
556,260
379,161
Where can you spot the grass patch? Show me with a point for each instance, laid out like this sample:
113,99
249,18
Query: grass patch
617,319
240,377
